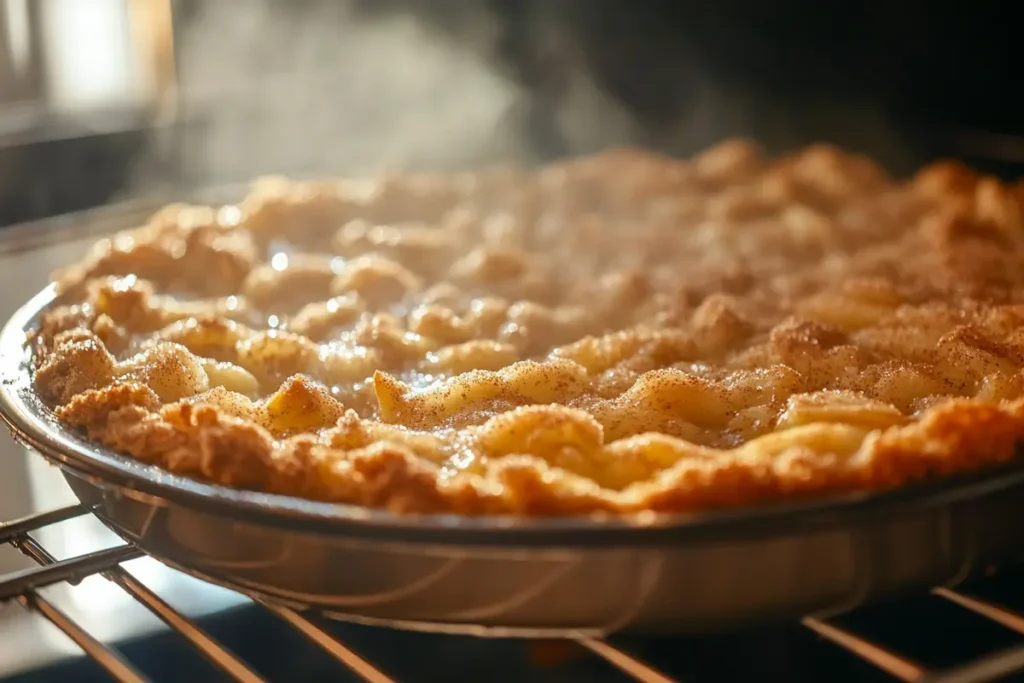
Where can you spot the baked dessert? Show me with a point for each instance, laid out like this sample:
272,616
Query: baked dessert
622,333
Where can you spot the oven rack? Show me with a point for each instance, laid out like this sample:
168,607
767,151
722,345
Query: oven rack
24,587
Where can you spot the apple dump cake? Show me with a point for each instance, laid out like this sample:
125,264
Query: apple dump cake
619,333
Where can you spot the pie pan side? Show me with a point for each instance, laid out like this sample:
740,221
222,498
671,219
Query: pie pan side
528,575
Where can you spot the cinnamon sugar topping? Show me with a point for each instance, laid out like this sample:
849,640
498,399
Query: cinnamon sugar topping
624,332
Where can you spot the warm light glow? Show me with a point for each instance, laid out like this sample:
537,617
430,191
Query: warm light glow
89,60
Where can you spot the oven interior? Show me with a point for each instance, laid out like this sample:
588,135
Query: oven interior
108,100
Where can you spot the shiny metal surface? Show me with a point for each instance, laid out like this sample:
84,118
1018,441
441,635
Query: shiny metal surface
362,657
29,485
528,576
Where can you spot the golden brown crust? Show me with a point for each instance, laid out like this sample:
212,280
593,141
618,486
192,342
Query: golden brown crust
621,333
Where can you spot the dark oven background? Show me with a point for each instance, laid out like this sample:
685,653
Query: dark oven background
883,76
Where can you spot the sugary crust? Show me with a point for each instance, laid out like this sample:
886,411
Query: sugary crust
202,441
623,333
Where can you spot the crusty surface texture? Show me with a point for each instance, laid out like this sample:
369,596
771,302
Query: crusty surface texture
622,333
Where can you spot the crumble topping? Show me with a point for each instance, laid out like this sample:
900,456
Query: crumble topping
624,332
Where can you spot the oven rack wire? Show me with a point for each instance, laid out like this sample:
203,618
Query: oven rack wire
24,587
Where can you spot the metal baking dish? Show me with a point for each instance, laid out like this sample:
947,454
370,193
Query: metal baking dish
520,576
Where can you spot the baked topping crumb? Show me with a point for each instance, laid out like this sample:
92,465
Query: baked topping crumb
624,332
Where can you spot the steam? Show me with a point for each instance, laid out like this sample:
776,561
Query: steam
323,91
329,87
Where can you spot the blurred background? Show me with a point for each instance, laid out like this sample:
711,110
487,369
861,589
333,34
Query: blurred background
106,101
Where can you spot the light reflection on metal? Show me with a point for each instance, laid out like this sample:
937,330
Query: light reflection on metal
80,57
152,28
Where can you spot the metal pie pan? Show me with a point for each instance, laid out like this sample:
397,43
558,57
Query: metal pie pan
529,576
